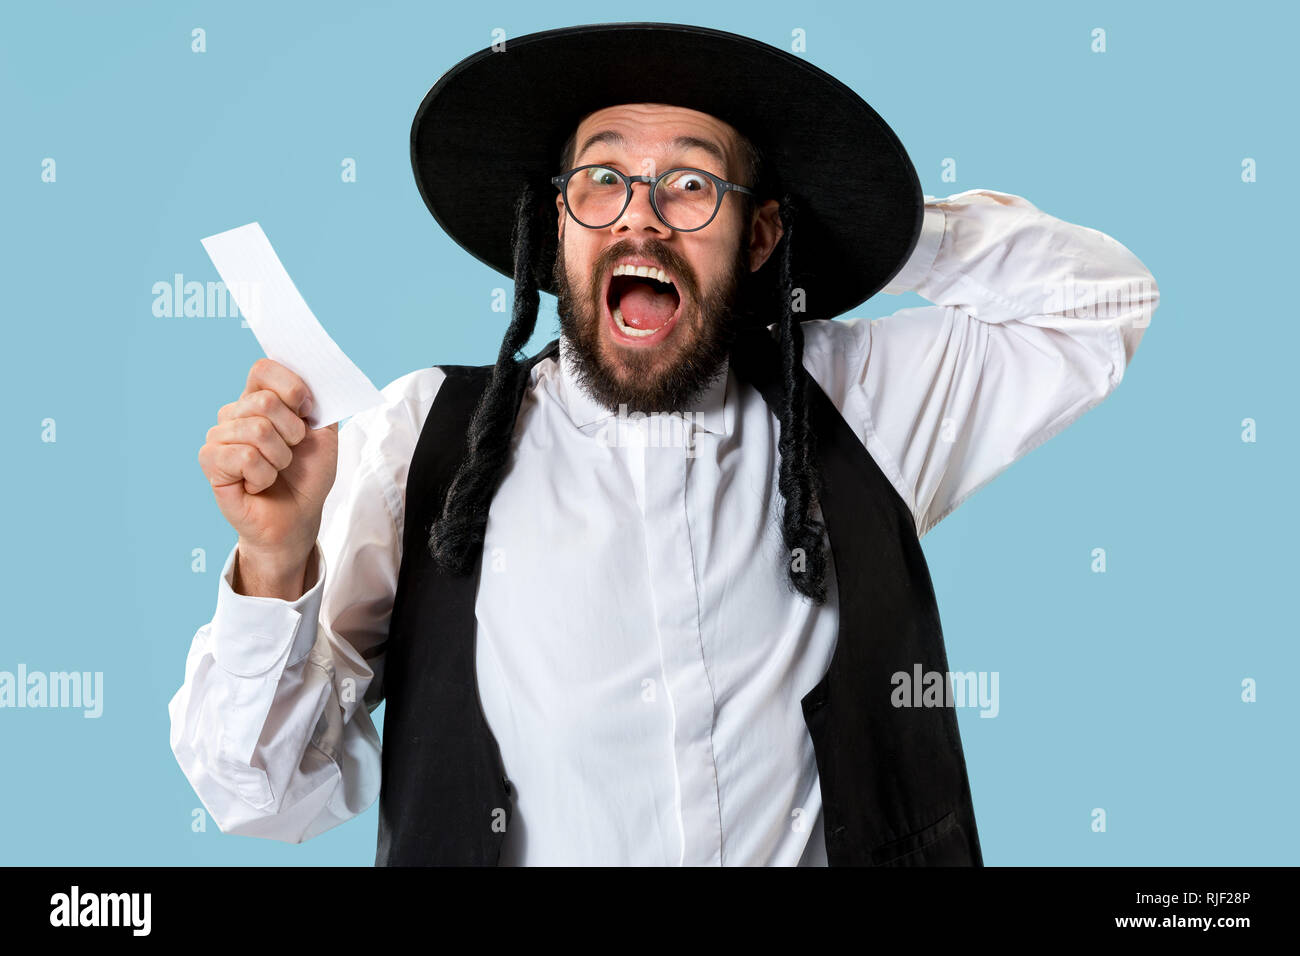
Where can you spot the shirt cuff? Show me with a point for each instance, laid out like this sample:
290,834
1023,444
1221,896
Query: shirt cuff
253,635
921,260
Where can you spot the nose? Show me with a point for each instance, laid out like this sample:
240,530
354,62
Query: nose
640,214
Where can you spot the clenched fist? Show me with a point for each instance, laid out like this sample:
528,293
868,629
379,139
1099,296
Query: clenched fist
270,474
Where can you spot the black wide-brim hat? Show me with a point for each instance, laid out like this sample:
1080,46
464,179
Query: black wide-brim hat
500,117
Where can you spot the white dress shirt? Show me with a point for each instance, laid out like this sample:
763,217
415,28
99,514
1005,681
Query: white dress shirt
640,657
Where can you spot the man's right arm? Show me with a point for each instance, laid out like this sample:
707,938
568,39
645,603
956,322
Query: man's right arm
272,725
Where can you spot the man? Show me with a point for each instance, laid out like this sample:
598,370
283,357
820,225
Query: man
598,644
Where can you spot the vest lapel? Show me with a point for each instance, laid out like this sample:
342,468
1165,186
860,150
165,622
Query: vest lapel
893,778
444,797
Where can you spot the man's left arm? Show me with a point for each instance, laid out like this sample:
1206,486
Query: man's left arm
1034,322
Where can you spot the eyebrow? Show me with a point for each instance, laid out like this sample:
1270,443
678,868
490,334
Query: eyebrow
615,138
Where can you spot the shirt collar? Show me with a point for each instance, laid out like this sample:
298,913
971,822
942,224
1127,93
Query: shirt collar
711,411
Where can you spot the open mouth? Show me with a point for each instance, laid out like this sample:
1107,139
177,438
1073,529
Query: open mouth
642,302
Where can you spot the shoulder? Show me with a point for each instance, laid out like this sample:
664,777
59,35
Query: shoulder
834,353
392,426
825,337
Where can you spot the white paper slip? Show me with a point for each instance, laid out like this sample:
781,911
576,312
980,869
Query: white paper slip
285,328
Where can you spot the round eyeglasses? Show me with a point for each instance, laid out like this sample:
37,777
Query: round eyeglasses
684,199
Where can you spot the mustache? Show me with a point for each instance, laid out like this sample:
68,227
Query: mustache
654,249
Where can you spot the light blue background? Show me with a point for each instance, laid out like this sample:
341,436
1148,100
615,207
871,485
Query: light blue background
1119,691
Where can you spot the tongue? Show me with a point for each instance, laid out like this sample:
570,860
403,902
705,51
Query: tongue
644,308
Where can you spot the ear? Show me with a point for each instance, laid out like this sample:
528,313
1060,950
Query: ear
559,207
765,234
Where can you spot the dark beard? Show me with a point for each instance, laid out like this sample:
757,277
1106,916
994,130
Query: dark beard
669,377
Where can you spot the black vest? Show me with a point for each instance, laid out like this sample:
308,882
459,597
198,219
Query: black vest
893,779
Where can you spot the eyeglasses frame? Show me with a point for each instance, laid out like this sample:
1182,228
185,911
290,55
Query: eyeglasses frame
561,182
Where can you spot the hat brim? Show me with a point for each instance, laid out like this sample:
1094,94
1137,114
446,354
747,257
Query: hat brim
500,118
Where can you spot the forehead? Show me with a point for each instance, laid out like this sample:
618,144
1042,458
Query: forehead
657,129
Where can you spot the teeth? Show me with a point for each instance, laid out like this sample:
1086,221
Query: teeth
649,272
645,272
639,333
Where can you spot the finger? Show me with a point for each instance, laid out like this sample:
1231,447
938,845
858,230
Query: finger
258,432
266,404
292,390
228,464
